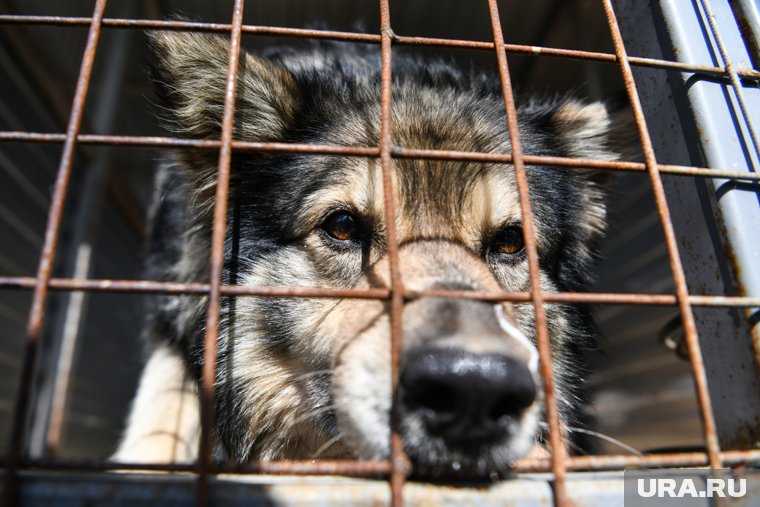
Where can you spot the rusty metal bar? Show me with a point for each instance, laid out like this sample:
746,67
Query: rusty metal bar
204,144
155,287
45,268
207,386
399,462
398,467
569,163
189,26
557,448
383,467
52,407
575,54
177,25
293,467
732,74
369,151
671,244
624,461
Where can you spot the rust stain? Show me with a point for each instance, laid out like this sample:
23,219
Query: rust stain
736,272
748,436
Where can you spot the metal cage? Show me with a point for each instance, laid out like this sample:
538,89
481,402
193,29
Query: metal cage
736,78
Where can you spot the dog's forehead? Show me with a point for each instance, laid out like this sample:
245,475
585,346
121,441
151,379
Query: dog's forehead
432,198
460,199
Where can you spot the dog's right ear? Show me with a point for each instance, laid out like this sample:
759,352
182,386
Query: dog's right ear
190,72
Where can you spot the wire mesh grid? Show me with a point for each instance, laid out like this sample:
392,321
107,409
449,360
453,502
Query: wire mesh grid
398,467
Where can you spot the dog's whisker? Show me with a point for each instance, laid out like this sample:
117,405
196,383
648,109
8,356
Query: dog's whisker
334,440
606,438
597,434
577,448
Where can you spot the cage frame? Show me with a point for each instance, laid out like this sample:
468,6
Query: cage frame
397,468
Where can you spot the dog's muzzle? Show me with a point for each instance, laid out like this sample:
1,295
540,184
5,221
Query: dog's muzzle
468,384
468,395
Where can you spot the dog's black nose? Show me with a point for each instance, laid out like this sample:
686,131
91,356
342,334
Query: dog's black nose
465,397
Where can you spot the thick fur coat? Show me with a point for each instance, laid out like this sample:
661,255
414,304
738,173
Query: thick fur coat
310,377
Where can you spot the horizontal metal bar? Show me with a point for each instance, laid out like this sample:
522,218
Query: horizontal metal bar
568,162
592,298
575,54
204,144
188,26
291,467
176,25
622,461
156,287
369,151
382,467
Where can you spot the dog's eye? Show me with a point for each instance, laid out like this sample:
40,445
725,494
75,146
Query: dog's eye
342,226
509,241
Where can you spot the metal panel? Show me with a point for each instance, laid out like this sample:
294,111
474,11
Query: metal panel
72,489
712,218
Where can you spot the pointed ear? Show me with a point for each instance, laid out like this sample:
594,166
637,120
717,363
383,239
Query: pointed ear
592,130
190,73
595,130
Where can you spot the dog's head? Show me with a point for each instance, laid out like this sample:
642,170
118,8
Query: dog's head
300,377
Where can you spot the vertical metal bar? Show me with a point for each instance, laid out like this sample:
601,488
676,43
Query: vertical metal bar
747,16
51,424
47,258
558,454
731,70
216,263
51,407
399,462
676,267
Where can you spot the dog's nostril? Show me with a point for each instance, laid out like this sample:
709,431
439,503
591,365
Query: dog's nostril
465,396
508,406
434,397
502,409
519,393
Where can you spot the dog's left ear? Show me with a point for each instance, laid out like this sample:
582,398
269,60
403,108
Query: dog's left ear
595,130
591,130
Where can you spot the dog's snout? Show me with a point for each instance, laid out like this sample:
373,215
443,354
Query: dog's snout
463,396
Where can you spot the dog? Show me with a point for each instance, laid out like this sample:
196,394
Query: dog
303,378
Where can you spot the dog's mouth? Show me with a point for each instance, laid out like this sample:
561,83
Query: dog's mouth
472,457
